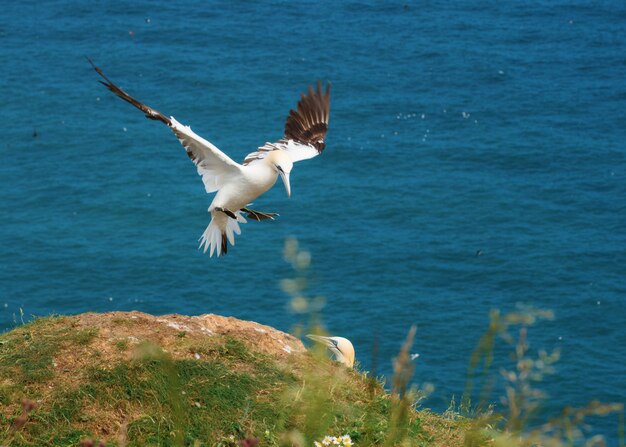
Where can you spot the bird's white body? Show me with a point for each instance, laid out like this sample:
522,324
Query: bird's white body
237,185
239,191
242,188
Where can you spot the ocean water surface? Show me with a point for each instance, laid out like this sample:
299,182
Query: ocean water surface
476,159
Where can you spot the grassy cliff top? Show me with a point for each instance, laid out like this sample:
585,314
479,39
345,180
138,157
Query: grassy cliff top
135,379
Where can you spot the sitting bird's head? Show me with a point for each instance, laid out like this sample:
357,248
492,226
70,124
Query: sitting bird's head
341,347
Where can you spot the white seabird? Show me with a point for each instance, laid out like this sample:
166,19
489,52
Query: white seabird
341,347
237,185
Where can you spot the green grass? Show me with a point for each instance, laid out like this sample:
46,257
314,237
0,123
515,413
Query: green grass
28,351
121,345
84,336
211,388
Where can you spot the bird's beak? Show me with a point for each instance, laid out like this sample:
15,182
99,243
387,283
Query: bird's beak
321,339
285,178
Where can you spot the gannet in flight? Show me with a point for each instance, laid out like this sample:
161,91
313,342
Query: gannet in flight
341,347
237,185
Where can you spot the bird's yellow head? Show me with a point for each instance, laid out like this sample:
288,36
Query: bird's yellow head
341,347
282,163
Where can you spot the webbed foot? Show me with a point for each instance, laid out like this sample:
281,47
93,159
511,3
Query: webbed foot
258,215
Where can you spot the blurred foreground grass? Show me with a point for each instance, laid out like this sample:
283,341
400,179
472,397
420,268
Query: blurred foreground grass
64,383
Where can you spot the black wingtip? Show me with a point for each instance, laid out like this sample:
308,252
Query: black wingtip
319,89
149,112
94,66
308,124
107,84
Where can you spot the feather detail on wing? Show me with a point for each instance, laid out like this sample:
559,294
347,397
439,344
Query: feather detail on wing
212,163
305,129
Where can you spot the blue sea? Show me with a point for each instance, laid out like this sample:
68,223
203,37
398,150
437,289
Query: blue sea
476,160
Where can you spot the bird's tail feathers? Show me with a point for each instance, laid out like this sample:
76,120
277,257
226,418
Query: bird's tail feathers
220,232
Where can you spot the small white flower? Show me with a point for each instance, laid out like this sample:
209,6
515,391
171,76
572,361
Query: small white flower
340,441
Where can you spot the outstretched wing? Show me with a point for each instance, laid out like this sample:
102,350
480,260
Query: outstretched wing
214,166
305,129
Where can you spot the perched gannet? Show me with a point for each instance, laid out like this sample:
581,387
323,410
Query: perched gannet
341,347
237,185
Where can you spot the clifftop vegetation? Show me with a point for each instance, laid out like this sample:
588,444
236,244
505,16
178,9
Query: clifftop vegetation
134,379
